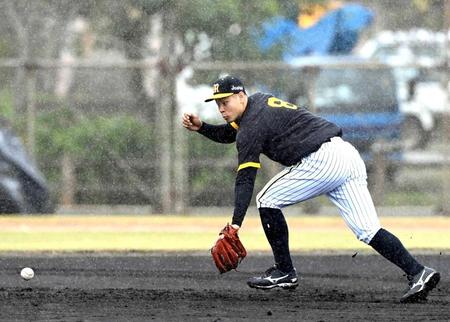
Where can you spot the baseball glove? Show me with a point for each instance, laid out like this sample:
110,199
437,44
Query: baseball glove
228,250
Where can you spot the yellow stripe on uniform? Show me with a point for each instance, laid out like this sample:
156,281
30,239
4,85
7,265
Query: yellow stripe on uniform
249,164
234,125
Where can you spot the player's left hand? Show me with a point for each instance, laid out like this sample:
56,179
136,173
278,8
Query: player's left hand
228,250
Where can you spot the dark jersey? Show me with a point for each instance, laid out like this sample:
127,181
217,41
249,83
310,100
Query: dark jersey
282,131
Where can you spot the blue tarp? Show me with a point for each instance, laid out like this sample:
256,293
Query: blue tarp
335,33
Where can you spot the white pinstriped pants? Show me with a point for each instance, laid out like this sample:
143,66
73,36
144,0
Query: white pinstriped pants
335,170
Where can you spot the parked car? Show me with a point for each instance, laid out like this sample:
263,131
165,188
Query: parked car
418,125
400,48
358,95
423,98
416,57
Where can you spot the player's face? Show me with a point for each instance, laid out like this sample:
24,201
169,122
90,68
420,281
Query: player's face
232,107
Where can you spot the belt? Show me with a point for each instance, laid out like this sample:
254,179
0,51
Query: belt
316,148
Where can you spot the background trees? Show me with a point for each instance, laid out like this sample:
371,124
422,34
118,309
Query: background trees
111,104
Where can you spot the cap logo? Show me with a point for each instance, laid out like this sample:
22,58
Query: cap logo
224,87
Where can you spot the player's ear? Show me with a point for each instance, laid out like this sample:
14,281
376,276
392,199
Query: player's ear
241,96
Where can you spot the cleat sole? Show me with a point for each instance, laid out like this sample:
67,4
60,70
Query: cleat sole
284,286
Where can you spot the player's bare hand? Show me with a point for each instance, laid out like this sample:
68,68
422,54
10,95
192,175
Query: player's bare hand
191,121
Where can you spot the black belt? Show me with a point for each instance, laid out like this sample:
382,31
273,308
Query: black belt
317,147
314,149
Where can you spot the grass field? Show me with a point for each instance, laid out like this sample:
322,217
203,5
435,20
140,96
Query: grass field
195,233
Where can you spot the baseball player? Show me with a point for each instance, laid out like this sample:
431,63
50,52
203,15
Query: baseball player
317,161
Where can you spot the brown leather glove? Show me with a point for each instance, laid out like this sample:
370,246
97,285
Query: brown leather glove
228,250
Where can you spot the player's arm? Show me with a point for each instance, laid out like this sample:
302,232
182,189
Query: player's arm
223,133
249,148
219,133
243,191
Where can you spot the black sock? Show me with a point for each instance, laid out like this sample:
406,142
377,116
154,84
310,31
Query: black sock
391,248
276,230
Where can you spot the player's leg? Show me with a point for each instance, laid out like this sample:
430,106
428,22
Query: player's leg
320,172
277,234
317,174
283,273
422,279
275,228
356,207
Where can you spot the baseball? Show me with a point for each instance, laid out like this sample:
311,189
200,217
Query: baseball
27,273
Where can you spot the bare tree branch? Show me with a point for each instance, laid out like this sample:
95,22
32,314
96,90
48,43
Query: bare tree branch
18,25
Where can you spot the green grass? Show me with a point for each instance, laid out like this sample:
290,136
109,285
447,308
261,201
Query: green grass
158,241
170,241
189,233
104,241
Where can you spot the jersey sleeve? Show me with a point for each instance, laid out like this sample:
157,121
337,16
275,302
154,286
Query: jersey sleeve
249,148
245,181
224,133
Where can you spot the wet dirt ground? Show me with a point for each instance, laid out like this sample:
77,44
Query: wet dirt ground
186,287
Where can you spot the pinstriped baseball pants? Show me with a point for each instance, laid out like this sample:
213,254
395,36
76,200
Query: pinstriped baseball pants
335,170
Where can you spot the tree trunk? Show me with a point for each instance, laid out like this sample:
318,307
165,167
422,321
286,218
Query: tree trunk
30,81
68,181
166,83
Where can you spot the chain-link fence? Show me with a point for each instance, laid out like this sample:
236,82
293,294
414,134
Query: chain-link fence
99,138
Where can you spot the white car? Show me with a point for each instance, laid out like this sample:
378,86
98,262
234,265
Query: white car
415,56
418,125
425,101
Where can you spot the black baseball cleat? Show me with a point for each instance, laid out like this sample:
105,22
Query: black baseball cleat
273,277
420,284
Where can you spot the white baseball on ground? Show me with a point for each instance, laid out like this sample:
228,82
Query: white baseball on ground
27,273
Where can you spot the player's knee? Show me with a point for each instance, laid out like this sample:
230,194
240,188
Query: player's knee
366,235
258,200
263,200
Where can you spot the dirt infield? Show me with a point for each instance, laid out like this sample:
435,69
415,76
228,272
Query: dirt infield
183,287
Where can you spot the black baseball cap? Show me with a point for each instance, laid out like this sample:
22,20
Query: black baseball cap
226,86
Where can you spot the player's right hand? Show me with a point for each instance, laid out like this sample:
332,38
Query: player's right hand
191,121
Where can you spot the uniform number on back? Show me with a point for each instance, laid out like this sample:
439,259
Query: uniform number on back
276,102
